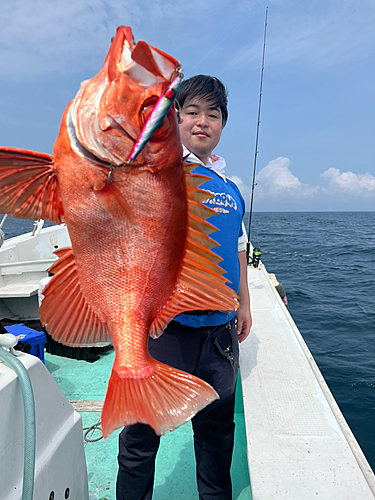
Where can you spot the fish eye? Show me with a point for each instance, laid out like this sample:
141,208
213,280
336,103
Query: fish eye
146,109
145,113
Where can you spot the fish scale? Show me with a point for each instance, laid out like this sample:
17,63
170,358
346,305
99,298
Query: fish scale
141,251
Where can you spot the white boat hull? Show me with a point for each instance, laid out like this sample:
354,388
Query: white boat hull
24,261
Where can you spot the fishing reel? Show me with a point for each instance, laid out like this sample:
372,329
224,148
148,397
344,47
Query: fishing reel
256,257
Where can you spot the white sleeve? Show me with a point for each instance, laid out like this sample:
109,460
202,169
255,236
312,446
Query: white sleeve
242,243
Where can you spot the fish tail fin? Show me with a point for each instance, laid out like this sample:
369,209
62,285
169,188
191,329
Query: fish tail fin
165,400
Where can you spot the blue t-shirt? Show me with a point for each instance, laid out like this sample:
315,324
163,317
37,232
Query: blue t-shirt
230,208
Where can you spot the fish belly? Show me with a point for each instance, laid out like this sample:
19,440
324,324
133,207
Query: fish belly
127,269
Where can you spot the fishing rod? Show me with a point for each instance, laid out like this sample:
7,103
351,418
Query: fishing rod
256,252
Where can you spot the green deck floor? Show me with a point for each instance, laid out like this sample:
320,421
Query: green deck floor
175,464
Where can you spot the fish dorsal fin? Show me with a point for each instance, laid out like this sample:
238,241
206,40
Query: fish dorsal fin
200,285
68,317
28,185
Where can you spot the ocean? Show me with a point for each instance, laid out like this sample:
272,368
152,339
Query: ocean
326,263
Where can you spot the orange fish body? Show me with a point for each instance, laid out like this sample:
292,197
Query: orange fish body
140,248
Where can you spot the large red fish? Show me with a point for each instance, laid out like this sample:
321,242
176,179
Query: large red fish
140,252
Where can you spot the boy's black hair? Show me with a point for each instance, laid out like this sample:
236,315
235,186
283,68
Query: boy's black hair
206,87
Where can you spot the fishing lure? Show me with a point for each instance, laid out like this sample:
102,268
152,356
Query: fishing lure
158,114
155,119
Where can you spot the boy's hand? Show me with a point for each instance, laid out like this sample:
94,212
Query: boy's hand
243,313
244,322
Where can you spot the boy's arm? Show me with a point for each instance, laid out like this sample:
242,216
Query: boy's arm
243,313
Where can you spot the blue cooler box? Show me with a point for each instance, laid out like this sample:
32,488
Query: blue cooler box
28,336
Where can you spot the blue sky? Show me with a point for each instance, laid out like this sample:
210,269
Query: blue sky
316,147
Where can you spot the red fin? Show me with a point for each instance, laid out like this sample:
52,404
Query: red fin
69,319
149,57
200,285
28,185
165,400
112,200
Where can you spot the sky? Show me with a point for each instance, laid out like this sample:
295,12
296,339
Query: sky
316,139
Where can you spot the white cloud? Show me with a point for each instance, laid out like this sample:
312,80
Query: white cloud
41,36
277,179
277,182
244,189
276,176
349,182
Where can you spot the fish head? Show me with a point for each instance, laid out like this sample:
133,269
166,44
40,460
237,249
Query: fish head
110,110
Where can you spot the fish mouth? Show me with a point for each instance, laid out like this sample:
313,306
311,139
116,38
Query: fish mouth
144,64
100,104
147,68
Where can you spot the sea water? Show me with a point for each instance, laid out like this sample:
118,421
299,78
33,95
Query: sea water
326,263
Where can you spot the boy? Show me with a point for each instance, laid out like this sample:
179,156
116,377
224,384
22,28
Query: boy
204,343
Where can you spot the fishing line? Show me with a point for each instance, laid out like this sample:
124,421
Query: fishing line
259,110
256,143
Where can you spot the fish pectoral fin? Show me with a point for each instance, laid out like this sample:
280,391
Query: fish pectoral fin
64,311
113,201
28,185
200,284
165,400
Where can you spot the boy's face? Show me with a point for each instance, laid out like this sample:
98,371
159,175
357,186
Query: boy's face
200,127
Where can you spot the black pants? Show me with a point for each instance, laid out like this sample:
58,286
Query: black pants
210,353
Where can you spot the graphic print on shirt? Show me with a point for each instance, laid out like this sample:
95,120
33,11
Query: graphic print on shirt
220,201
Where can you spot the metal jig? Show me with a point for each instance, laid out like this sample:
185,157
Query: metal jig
158,114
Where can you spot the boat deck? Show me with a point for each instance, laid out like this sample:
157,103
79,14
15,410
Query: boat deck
85,385
290,433
299,444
